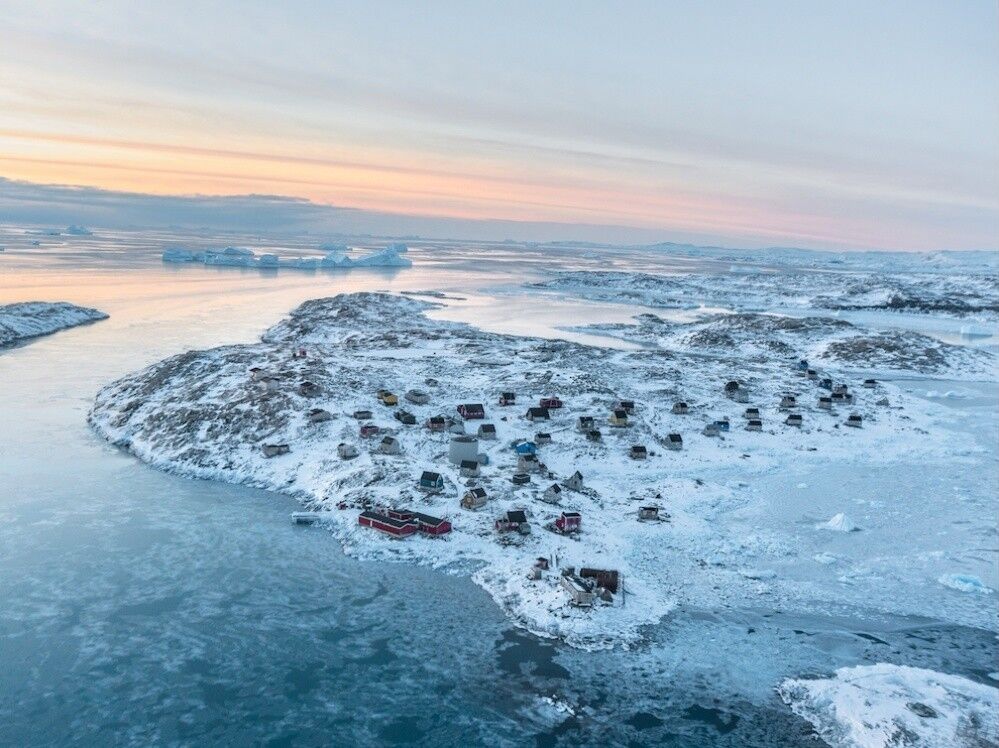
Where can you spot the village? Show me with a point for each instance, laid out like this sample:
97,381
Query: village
560,476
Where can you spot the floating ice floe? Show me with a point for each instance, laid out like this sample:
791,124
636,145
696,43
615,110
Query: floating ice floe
839,523
79,231
964,583
893,705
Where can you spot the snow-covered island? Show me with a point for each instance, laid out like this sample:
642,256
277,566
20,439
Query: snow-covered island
338,406
30,319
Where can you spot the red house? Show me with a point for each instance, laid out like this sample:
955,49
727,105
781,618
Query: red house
549,402
569,522
432,525
469,411
397,528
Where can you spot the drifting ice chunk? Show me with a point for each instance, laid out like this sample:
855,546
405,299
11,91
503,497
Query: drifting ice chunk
839,523
964,583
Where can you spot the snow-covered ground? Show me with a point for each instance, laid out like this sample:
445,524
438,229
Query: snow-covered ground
885,706
33,318
958,293
202,414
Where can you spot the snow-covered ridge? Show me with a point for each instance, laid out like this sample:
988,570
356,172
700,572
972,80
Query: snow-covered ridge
30,319
207,414
826,341
335,258
886,706
955,293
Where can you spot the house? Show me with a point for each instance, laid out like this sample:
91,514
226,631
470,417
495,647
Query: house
552,494
256,373
569,522
574,482
648,514
275,450
711,429
608,579
318,415
525,448
469,469
787,402
854,420
362,415
594,435
840,389
551,403
396,528
514,521
825,403
731,388
803,365
618,418
471,411
541,563
486,431
527,463
369,430
722,424
299,353
843,398
674,442
417,397
405,417
580,591
390,446
520,479
346,451
430,482
794,419
507,398
429,525
754,425
537,414
542,438
309,389
638,452
751,413
870,383
437,423
388,398
474,498
680,408
584,423
812,374
826,383
628,406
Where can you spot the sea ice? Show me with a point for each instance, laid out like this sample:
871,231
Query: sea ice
884,705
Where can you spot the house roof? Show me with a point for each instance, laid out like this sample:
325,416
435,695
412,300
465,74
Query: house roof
516,515
555,488
577,474
571,514
473,464
428,475
477,492
675,438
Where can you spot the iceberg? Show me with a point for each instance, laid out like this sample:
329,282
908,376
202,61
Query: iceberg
267,261
178,255
334,247
79,231
839,523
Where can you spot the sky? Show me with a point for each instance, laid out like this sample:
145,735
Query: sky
848,124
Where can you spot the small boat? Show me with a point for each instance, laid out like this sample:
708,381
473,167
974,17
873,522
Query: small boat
306,518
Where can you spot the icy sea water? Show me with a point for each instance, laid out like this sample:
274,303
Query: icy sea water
138,608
